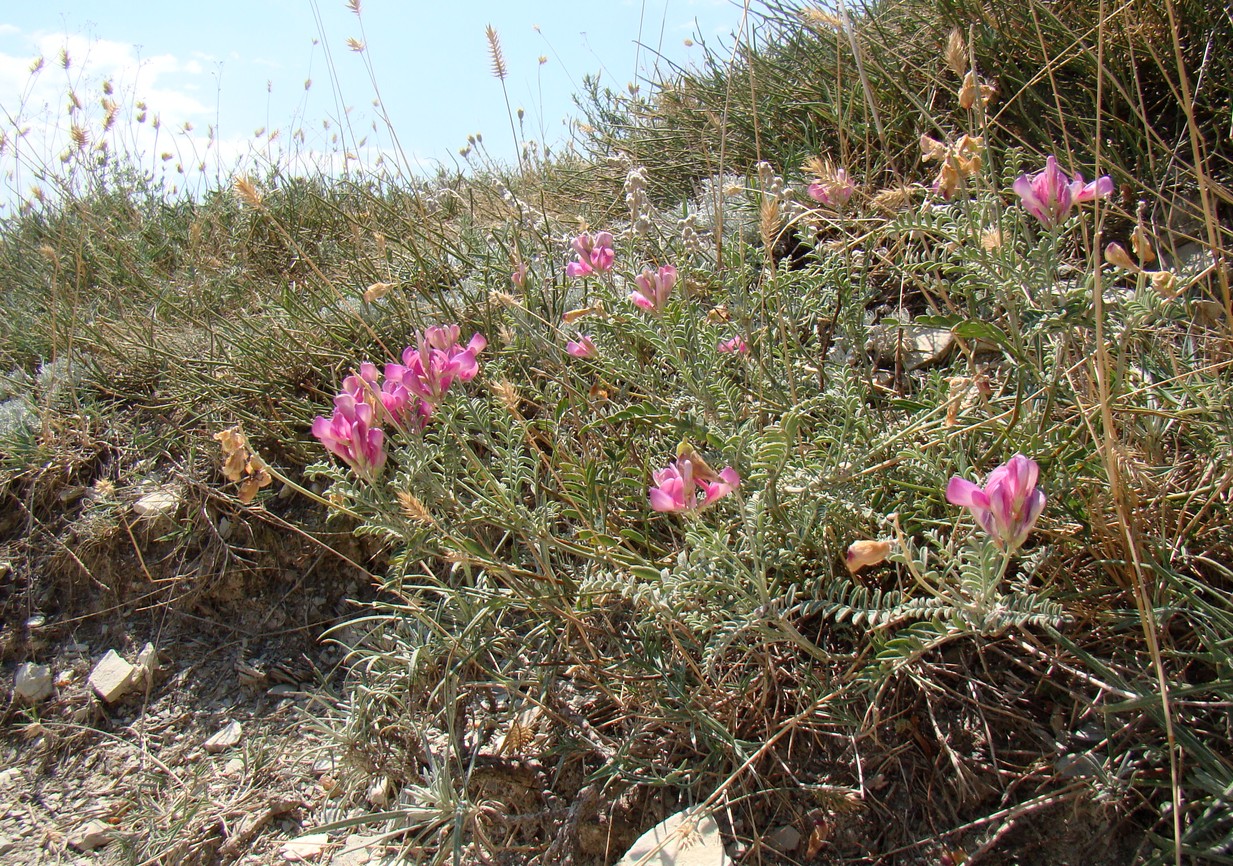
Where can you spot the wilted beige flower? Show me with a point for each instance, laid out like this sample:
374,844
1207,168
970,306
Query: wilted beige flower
864,553
377,290
1116,255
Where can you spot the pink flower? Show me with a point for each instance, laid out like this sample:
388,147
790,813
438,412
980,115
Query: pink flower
391,398
735,346
1008,505
654,288
1049,195
677,486
350,434
593,254
428,371
519,276
834,191
582,347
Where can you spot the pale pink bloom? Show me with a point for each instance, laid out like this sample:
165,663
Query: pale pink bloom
519,276
654,287
350,433
1008,505
1049,195
678,490
583,347
834,191
735,346
594,254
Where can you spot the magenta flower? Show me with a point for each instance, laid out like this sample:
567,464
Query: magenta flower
428,371
1008,505
391,398
594,254
735,346
834,191
582,347
350,433
654,288
1049,195
681,487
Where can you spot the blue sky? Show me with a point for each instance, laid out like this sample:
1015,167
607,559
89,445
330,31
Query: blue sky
243,67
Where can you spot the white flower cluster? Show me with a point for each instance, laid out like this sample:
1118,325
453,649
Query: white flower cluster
636,199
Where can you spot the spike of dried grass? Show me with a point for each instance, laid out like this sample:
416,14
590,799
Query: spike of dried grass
247,192
499,69
956,53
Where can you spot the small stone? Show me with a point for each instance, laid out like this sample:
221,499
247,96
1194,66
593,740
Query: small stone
921,346
111,677
8,846
684,839
77,649
163,502
785,839
91,835
32,683
9,777
234,767
36,621
305,847
225,738
356,851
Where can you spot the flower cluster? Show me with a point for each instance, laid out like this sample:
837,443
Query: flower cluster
406,398
594,254
1009,503
1049,195
959,161
688,484
833,188
654,287
735,346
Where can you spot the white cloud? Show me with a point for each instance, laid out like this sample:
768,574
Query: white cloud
42,103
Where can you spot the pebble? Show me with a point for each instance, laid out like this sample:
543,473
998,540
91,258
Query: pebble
305,847
163,502
111,677
32,683
91,835
785,839
225,738
684,839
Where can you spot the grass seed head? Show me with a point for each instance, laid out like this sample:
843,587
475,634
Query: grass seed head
956,53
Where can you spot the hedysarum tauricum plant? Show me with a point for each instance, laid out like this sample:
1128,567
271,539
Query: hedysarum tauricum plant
970,581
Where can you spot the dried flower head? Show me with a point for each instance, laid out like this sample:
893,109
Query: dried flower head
1116,255
866,553
1141,243
377,290
241,464
1164,283
499,69
413,508
821,19
956,53
971,90
246,190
